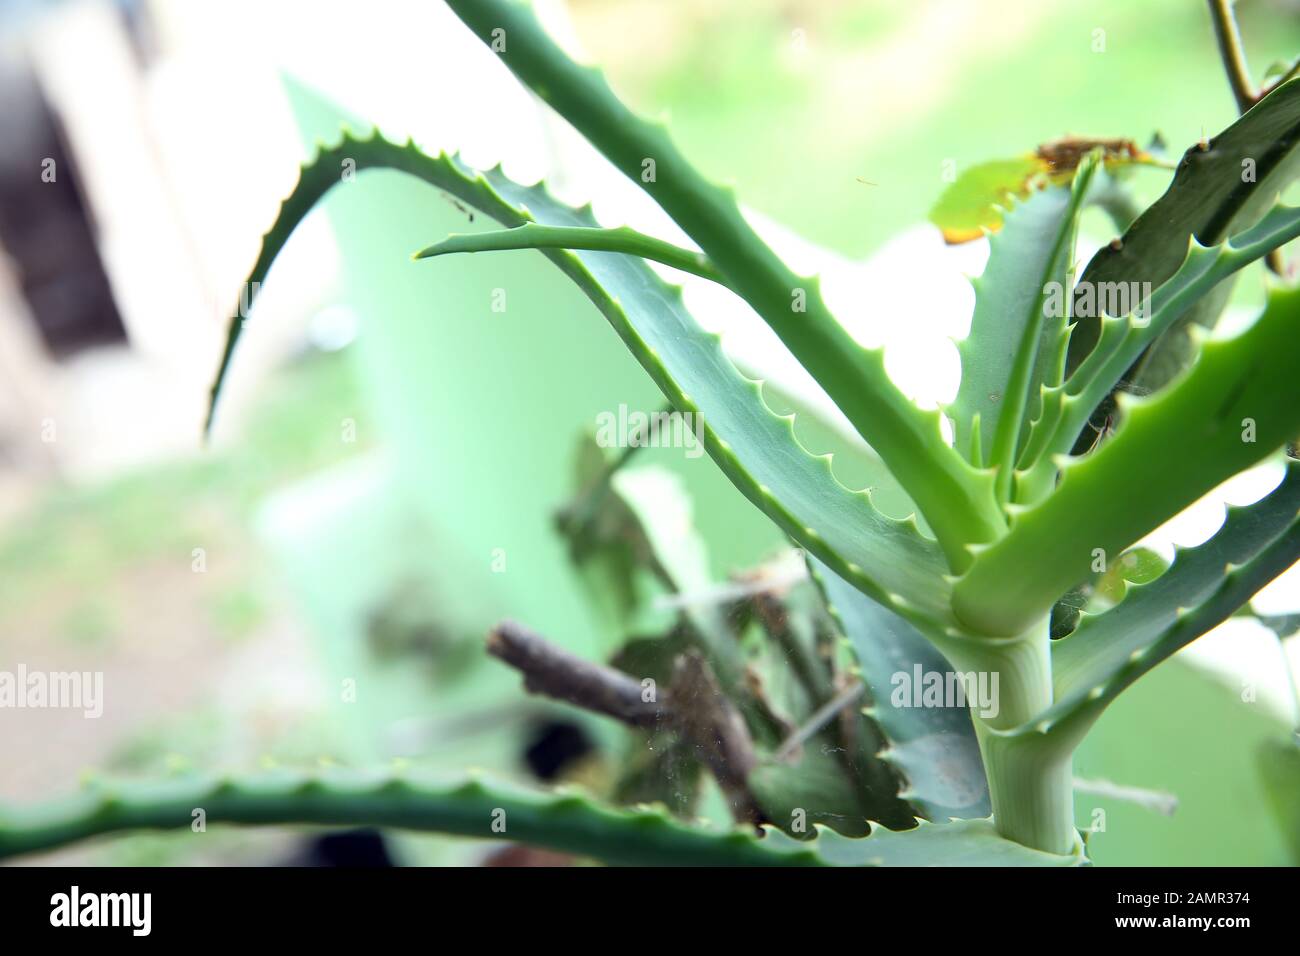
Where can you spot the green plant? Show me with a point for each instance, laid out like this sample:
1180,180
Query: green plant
1016,518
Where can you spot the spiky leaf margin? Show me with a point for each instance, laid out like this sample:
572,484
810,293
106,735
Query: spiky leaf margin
567,822
1014,348
955,498
1210,199
1169,451
757,450
933,749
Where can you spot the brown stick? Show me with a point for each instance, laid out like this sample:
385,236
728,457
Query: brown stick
554,672
1233,54
706,718
694,705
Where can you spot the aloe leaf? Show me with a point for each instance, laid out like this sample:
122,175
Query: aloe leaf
958,843
954,497
933,748
569,823
566,822
754,448
532,235
1067,408
1202,588
1236,405
1007,295
1209,199
824,432
813,790
1136,566
1014,348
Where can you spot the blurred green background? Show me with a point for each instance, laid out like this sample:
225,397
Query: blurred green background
467,421
887,92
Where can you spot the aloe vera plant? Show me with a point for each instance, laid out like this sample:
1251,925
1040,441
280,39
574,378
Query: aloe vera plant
1014,515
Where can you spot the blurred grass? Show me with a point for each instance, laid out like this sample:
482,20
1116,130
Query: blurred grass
78,537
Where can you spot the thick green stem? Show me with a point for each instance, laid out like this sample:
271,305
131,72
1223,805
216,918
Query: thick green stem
955,498
1031,786
1029,775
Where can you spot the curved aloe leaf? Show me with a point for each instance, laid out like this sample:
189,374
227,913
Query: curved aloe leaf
1015,347
1221,187
532,235
933,748
1068,407
1237,404
815,789
1008,295
954,497
1202,588
755,449
569,823
823,431
959,843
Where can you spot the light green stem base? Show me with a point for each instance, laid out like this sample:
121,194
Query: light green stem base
1030,776
1032,790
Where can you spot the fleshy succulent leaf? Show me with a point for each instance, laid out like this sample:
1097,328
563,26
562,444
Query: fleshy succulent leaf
1016,343
756,449
958,843
1122,340
1202,588
566,822
1235,406
955,498
533,235
1007,297
933,748
1222,186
